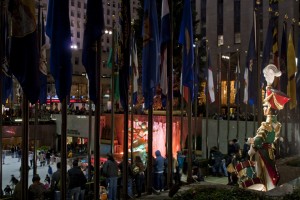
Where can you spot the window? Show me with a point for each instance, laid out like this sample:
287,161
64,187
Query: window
72,3
237,21
76,60
220,40
78,44
220,22
237,38
79,4
78,15
72,23
72,13
78,34
84,5
108,21
108,12
203,17
78,24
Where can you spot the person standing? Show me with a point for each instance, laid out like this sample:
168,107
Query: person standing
159,163
77,181
110,170
139,175
50,171
36,189
54,182
31,158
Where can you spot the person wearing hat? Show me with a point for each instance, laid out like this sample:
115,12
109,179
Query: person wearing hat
262,145
36,189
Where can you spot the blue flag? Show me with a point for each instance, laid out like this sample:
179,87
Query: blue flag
150,72
6,75
283,61
250,74
267,48
93,31
186,39
58,30
43,64
24,59
298,73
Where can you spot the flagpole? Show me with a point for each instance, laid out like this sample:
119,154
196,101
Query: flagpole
2,39
181,117
131,103
126,28
228,97
113,90
36,120
169,127
190,139
219,96
63,146
206,103
239,96
97,121
150,149
25,147
89,141
196,98
259,96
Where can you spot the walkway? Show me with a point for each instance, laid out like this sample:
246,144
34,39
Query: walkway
208,180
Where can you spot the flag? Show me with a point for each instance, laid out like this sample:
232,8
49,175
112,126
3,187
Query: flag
43,64
134,69
210,80
151,60
283,61
6,78
291,63
115,75
275,54
237,81
165,36
59,33
186,39
267,48
250,74
110,58
24,61
6,75
298,73
184,90
92,32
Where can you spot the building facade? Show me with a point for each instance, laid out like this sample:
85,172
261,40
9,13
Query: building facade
226,25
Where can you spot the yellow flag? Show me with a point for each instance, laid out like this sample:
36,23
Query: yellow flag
291,68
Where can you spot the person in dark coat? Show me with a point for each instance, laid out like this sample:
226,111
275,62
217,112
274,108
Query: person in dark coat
77,181
110,170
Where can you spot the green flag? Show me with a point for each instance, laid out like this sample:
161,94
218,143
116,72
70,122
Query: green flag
109,60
